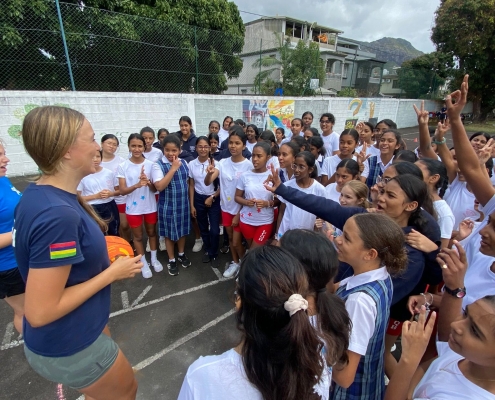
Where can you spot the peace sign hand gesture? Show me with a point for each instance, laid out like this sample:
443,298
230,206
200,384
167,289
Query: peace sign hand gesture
485,153
273,181
423,116
211,167
361,156
456,101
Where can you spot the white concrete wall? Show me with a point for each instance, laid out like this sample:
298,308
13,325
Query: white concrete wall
126,113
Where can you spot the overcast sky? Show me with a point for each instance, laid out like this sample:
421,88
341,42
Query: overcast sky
365,20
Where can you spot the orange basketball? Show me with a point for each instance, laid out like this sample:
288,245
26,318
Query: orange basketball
118,247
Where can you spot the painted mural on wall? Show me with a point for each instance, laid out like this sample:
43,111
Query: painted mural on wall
255,112
360,110
280,114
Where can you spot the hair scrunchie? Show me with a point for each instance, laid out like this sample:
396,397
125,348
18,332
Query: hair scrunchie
295,303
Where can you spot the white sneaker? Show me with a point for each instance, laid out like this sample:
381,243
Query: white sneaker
161,244
198,245
221,229
148,246
146,271
231,270
157,266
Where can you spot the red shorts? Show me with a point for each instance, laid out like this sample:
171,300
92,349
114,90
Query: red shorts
227,221
260,234
121,208
394,327
135,221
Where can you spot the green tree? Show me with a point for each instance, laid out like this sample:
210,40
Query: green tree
464,30
115,45
292,70
347,92
422,76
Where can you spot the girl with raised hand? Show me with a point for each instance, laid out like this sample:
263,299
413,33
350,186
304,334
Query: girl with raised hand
330,138
348,141
280,353
307,119
150,153
256,214
136,176
365,130
373,255
290,216
286,157
174,214
435,176
252,134
205,202
374,167
111,161
99,190
62,256
229,170
326,310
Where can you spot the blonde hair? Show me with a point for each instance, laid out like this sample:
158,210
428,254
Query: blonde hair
361,191
47,133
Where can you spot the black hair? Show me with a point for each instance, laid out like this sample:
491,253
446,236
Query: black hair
147,129
370,125
281,130
330,117
213,136
351,132
416,190
397,135
436,167
268,135
240,122
404,167
161,130
185,118
226,118
203,138
317,141
293,146
310,161
281,354
319,258
266,148
174,139
308,113
297,119
489,167
104,138
485,135
237,130
391,124
351,166
301,142
255,129
406,156
214,122
136,136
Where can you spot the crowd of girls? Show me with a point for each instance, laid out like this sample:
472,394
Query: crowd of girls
318,312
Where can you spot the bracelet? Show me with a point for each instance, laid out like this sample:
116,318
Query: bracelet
441,142
427,305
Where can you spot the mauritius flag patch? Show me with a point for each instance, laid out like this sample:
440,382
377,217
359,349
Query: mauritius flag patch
62,250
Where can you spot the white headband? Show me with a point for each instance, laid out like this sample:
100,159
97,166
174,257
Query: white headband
295,303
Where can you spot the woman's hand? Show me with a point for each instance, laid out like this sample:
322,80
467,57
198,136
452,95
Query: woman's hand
235,220
456,101
319,223
125,268
105,194
273,181
211,167
176,164
414,303
209,201
465,228
454,265
193,212
362,157
442,129
415,337
423,116
485,153
420,242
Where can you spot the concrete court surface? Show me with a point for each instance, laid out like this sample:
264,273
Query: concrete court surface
162,325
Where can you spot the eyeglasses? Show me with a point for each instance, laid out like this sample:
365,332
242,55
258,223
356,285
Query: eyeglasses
203,147
296,167
382,180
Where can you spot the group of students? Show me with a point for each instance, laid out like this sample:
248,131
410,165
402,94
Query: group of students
347,242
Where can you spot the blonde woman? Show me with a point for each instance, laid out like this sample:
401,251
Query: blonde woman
61,254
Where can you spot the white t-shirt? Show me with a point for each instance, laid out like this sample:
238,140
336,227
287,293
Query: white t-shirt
331,192
330,165
371,150
366,170
114,166
95,183
479,279
142,200
294,217
444,380
252,184
230,172
153,155
461,202
331,143
197,171
272,160
223,377
446,219
222,135
362,309
250,146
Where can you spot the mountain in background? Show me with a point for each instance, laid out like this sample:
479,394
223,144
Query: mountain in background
394,51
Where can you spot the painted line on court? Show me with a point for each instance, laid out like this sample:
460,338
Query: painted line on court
9,332
125,299
141,296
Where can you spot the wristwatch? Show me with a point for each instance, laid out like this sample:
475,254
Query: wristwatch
459,293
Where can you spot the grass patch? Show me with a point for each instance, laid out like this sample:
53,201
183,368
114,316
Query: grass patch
488,127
